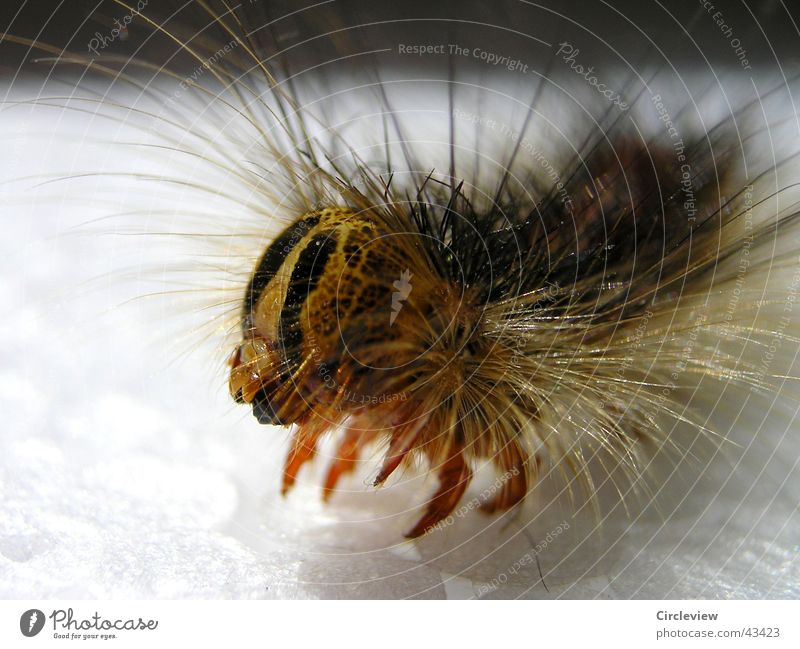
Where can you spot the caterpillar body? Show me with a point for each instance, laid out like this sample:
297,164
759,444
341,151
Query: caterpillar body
507,310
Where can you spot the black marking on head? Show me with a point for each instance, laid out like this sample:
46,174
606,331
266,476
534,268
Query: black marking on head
305,276
270,263
263,410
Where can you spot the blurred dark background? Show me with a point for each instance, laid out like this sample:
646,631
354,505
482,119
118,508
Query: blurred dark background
630,31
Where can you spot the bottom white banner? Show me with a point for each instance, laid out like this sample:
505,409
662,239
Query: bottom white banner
388,624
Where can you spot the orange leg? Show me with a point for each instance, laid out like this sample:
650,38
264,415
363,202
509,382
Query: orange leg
514,481
345,460
304,447
403,439
454,476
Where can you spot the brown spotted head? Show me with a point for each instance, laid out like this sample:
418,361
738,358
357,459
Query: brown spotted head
323,292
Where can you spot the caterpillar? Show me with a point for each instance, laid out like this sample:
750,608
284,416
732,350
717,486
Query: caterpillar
504,257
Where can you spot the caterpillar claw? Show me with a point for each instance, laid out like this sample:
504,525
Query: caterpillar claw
304,447
454,477
513,482
513,491
403,440
344,461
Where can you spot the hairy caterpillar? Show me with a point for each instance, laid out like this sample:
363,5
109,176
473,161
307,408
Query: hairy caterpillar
561,274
